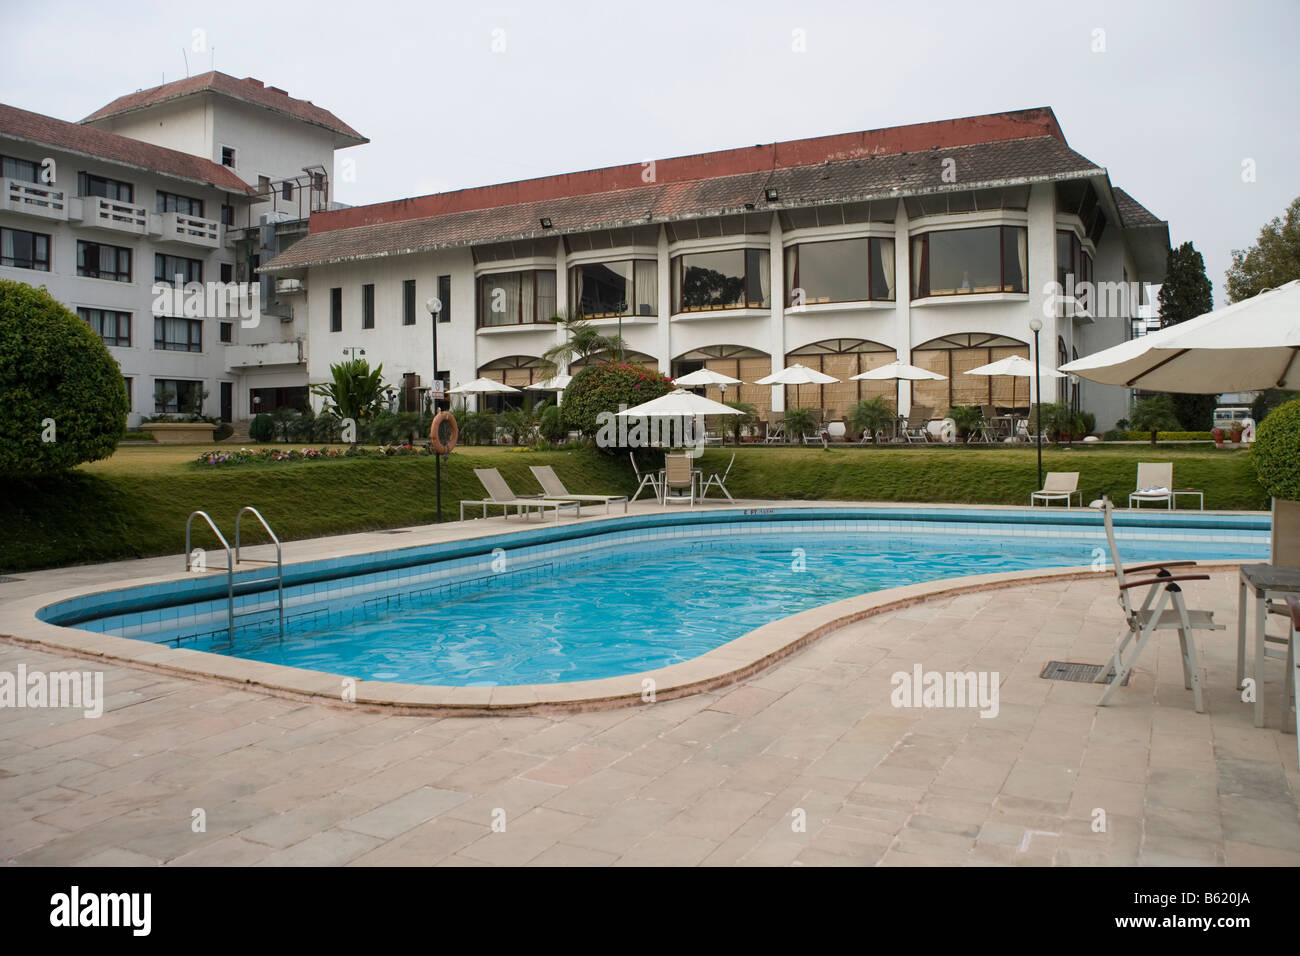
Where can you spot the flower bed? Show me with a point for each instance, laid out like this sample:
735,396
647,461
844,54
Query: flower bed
260,456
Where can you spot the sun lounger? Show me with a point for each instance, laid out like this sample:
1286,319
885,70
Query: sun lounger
500,496
1059,484
554,488
1155,482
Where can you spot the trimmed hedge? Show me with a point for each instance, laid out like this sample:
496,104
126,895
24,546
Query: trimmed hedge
62,396
1131,435
1276,453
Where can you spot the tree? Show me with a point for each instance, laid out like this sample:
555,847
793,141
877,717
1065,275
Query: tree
1185,294
1154,415
62,396
603,388
583,341
1272,261
356,392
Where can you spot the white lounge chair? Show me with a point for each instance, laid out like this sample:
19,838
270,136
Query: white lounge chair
500,496
1155,483
554,488
1058,485
1162,609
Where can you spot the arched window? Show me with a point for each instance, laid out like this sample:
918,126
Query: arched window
738,361
953,356
841,358
518,371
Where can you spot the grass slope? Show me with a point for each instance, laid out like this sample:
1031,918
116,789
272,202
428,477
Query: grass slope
135,503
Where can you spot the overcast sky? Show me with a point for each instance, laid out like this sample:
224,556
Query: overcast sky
1183,93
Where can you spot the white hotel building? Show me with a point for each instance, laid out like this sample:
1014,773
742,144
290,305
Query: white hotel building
203,178
932,244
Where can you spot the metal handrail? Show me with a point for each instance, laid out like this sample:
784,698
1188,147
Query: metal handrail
230,566
279,564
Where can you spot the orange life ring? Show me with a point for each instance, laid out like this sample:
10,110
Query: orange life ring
440,447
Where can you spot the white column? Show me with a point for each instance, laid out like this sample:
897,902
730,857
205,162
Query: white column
903,301
663,327
776,263
561,294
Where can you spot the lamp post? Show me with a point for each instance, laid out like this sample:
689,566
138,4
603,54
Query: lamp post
434,305
1036,324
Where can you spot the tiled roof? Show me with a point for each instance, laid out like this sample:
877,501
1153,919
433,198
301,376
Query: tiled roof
1133,212
248,90
882,176
48,131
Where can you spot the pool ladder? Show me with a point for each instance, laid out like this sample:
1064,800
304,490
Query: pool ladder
232,561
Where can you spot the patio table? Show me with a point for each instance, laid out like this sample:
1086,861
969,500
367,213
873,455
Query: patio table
1262,581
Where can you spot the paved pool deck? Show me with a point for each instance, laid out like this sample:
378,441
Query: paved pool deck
806,761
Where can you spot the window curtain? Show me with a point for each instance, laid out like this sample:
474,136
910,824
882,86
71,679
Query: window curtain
887,263
646,286
920,267
501,298
764,279
575,304
7,245
1022,249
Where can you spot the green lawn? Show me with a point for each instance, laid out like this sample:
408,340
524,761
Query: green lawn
135,504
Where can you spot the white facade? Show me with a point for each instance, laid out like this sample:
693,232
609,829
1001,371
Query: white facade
890,329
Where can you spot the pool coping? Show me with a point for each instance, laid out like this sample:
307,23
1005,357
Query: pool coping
737,660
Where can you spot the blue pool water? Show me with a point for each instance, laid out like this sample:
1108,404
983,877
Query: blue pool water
558,605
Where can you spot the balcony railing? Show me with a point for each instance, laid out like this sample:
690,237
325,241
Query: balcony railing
100,213
266,353
33,199
178,227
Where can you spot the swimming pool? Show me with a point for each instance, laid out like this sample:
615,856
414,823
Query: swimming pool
623,596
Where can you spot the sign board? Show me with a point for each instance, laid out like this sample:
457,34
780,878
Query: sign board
438,388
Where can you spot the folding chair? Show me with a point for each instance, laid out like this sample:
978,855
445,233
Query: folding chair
1163,609
719,481
647,479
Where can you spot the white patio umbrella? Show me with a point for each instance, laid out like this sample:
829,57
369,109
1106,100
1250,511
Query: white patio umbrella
797,375
1248,345
899,372
706,376
556,384
481,386
1015,366
679,403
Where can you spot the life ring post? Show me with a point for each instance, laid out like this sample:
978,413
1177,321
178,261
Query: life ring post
443,435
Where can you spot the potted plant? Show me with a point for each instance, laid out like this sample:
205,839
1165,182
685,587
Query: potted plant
1218,436
968,418
1276,457
1235,433
799,422
871,416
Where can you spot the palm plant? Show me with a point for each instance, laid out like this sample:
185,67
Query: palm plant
738,423
871,416
799,421
521,423
583,342
356,391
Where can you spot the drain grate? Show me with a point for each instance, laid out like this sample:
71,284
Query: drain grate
4,580
1077,673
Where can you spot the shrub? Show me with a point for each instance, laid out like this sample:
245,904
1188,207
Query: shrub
261,428
603,388
967,417
736,424
552,427
62,397
1089,423
799,422
475,428
1152,415
1276,453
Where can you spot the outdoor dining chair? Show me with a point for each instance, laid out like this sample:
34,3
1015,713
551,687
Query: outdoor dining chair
679,476
645,479
1162,609
718,480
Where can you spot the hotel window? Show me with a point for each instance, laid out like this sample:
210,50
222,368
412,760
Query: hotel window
843,270
227,272
114,189
444,296
1067,256
177,395
227,215
408,302
731,279
95,260
24,250
286,190
167,268
624,287
227,332
24,169
177,335
968,261
130,393
514,298
368,306
336,310
228,156
185,205
113,327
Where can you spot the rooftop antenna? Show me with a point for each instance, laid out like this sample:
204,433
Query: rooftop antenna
212,66
187,61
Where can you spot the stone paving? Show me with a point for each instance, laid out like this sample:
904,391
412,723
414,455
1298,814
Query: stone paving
720,778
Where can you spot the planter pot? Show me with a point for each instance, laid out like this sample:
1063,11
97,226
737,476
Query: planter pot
1285,536
182,433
